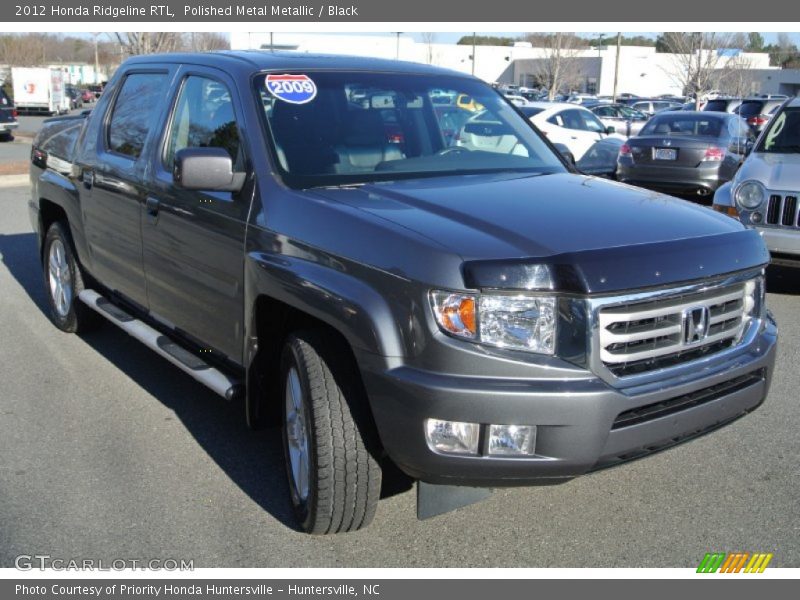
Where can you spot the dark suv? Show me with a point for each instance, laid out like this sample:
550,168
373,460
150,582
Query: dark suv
8,117
757,111
462,305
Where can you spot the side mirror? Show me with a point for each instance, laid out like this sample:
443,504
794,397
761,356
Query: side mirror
208,169
611,129
565,152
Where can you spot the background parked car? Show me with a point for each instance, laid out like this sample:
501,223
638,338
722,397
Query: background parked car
87,96
517,100
685,153
766,189
651,107
624,119
756,111
574,126
599,160
75,98
8,117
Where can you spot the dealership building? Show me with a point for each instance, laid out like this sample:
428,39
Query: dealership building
642,70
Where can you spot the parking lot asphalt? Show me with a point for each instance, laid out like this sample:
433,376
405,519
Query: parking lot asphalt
108,452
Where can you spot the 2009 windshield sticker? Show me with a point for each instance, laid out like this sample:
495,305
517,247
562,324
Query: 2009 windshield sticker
295,89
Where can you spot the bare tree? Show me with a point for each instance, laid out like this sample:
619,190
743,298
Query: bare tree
736,77
429,39
559,68
696,58
145,42
785,50
26,50
206,41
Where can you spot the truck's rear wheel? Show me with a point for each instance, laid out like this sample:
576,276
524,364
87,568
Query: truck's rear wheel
63,282
334,479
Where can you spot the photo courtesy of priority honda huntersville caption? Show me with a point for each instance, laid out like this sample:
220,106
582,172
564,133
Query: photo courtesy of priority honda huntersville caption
308,235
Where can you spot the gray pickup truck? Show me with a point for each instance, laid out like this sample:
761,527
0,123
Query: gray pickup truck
305,235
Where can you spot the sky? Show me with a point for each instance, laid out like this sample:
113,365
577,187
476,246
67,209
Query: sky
453,37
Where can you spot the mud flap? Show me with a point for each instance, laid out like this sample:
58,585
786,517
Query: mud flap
434,500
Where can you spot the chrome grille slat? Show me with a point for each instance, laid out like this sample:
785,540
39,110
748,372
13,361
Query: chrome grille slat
658,325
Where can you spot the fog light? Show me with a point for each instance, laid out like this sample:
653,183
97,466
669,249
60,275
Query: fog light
756,217
512,440
452,437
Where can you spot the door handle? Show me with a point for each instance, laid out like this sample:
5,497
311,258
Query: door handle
88,178
152,205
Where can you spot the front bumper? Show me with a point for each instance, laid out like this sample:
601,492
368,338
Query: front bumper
783,243
575,419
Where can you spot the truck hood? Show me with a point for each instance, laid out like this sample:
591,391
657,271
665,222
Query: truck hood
778,172
594,227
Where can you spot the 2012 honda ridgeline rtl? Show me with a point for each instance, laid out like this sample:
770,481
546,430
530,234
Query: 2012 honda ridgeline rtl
315,236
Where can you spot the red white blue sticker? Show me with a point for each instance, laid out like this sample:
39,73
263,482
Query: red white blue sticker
295,89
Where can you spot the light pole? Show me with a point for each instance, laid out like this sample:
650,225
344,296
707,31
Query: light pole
600,45
397,54
473,53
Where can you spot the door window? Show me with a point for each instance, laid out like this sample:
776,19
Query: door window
204,118
135,112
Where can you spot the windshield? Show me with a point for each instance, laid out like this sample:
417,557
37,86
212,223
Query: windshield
783,133
339,128
676,123
749,109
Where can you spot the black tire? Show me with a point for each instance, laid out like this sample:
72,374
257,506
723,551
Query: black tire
344,477
77,318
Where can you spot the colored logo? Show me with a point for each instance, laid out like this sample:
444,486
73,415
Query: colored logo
295,89
734,562
30,87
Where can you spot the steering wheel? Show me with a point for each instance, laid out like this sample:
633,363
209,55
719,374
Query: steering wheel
453,150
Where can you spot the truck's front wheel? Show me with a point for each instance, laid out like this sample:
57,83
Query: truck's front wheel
334,477
63,282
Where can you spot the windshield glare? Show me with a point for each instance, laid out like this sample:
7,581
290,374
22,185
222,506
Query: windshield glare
362,127
783,133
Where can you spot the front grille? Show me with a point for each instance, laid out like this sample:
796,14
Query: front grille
642,414
783,211
651,334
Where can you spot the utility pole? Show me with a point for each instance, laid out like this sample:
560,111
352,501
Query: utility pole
697,71
473,53
397,56
600,45
96,61
616,66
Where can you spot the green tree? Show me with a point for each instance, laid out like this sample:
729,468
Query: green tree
486,40
755,42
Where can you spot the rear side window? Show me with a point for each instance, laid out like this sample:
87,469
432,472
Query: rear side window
135,112
204,118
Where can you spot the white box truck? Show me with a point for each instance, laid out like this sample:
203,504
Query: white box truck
39,89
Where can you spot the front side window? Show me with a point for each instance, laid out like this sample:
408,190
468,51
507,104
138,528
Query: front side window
783,133
203,118
135,112
334,128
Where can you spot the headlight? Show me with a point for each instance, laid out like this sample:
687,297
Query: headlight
750,194
519,322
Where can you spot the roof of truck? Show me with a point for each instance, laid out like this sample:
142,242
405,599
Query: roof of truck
260,60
